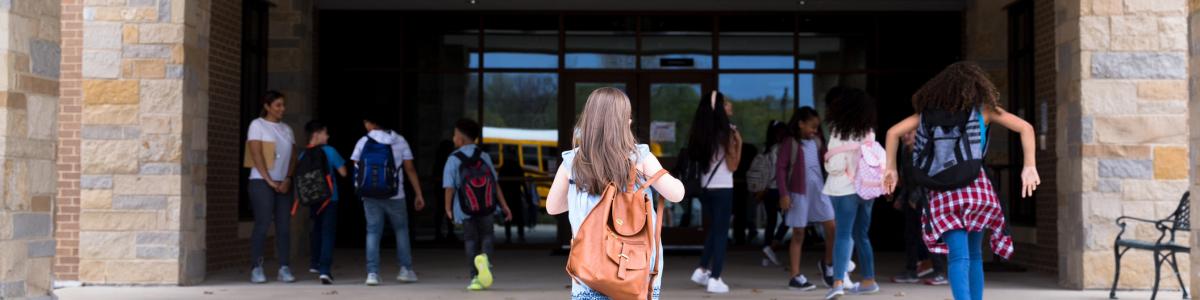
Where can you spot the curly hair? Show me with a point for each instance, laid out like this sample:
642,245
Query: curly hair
851,113
961,86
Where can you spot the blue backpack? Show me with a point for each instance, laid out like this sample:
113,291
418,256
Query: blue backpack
377,176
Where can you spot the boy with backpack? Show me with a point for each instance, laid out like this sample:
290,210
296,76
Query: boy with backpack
316,188
378,158
470,179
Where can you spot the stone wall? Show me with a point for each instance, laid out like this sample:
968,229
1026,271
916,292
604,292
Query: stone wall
143,137
1194,124
290,67
29,70
1123,101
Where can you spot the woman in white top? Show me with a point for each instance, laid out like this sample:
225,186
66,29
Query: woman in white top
270,185
605,149
851,120
715,139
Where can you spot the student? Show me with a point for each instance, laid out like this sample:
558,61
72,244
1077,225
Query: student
957,217
800,179
478,231
716,144
270,185
324,216
910,199
386,147
773,231
603,154
851,121
745,206
512,180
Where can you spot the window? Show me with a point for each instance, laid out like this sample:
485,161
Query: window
529,156
1022,101
757,42
757,100
677,42
441,42
521,42
601,42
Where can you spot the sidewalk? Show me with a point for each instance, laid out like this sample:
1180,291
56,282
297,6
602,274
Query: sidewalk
538,275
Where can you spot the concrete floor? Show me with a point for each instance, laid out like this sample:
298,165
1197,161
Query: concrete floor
530,274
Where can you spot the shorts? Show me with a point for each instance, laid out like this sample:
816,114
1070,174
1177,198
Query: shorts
807,210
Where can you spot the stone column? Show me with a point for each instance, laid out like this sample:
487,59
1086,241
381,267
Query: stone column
1123,102
1194,124
143,137
290,67
29,70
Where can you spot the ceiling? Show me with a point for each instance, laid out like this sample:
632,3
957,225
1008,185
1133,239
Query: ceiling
646,5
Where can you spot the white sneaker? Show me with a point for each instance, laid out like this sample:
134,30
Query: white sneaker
717,286
770,254
257,276
850,267
372,279
406,275
285,274
700,277
314,271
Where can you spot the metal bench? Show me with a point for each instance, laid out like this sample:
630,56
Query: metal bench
1164,247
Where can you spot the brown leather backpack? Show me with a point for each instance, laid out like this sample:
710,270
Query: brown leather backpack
611,252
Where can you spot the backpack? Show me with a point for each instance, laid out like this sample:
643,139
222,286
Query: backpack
314,185
689,173
477,194
868,175
762,170
612,250
948,151
377,175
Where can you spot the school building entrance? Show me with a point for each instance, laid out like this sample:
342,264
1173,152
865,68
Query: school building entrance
124,121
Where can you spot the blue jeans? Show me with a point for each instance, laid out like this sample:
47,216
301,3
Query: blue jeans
853,218
270,207
966,264
324,229
716,206
397,214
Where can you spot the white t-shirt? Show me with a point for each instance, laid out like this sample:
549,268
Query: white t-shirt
281,135
722,178
400,152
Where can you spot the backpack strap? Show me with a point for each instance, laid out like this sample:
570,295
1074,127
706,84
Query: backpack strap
656,240
792,163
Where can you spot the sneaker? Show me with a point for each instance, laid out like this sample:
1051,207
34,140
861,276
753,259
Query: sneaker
770,254
257,275
800,283
314,271
406,275
850,267
937,280
285,274
835,293
485,272
372,279
924,268
865,290
700,277
906,277
475,285
717,286
826,273
326,279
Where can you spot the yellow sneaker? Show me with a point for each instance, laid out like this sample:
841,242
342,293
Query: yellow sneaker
485,272
474,286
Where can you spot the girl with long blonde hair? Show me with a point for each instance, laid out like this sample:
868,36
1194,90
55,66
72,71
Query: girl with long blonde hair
605,149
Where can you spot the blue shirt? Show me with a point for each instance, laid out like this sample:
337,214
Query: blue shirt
335,161
452,180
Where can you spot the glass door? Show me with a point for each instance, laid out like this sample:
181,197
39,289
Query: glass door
663,120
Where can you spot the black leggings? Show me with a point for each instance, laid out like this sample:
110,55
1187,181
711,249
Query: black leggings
774,231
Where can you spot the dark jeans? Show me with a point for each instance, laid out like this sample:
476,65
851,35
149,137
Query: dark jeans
269,206
914,246
773,231
324,230
517,206
715,205
477,236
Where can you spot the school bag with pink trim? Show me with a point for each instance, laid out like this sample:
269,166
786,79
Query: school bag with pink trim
868,176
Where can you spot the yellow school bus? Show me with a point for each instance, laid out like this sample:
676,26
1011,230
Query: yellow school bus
536,152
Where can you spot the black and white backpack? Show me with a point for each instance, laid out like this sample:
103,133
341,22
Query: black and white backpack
949,149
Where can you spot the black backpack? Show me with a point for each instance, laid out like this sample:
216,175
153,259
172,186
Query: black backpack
477,194
949,149
314,185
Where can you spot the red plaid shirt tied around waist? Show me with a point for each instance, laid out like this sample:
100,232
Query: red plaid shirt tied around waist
973,208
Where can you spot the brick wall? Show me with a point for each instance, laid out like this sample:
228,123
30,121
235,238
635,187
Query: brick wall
1122,98
29,91
225,249
66,261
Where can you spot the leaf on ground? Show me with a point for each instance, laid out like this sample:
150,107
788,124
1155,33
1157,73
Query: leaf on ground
756,291
901,294
208,292
333,292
